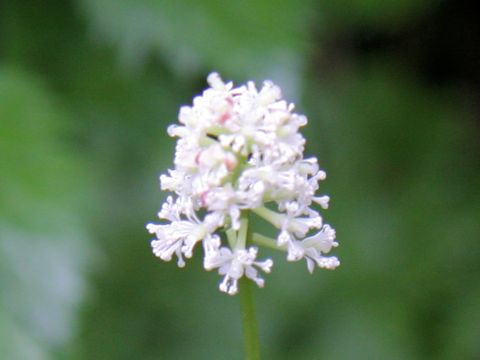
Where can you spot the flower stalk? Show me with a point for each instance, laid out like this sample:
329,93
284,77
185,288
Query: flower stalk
247,300
249,321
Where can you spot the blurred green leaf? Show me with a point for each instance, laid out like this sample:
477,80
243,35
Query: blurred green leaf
250,37
44,245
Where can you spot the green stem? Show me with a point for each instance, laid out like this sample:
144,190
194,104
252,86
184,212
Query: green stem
249,321
266,241
247,301
231,237
243,233
271,216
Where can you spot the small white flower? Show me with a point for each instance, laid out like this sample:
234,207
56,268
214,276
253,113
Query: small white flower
239,149
175,238
323,201
233,265
312,248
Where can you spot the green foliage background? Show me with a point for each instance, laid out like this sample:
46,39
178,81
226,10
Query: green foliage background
87,89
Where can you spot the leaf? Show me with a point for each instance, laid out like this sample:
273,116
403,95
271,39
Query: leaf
44,247
251,38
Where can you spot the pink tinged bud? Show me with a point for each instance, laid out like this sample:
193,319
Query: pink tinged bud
197,157
230,162
203,198
224,117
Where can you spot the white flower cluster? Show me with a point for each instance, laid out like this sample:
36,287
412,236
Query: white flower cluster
240,151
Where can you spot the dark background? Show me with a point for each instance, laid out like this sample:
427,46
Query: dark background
87,89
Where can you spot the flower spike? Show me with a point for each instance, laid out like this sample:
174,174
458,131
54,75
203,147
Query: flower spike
239,151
